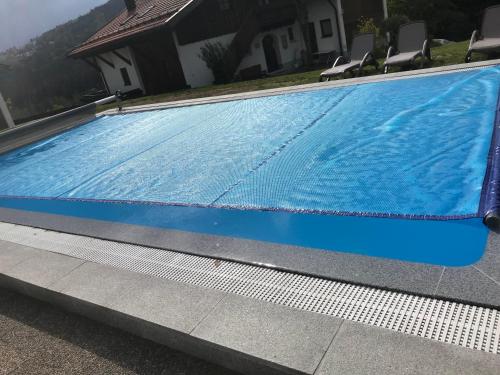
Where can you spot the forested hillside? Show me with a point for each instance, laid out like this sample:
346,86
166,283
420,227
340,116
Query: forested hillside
41,78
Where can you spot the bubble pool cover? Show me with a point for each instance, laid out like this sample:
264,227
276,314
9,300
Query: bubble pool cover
408,149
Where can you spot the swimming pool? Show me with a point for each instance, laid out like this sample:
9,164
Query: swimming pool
395,169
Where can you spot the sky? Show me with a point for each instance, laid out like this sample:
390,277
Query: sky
22,20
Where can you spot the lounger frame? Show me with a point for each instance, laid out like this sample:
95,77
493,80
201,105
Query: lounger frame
368,59
424,54
477,36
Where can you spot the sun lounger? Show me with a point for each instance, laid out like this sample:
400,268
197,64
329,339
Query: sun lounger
412,45
489,39
361,55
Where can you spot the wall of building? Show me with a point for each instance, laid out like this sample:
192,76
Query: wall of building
209,20
113,76
320,10
158,62
289,51
196,72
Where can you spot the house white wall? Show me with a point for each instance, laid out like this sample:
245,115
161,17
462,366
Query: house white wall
289,51
320,10
196,72
113,76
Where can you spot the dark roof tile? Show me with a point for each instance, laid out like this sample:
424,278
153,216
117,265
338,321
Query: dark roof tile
147,15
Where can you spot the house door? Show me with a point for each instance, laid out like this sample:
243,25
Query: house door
270,53
313,40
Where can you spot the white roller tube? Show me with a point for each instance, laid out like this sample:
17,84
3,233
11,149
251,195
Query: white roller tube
6,121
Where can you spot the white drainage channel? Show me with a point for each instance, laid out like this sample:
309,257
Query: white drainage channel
449,322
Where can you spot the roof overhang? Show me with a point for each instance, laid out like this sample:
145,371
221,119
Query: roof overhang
121,39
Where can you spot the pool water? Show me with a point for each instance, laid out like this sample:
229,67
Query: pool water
410,147
405,148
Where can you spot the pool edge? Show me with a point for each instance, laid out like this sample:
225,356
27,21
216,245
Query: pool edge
301,88
393,275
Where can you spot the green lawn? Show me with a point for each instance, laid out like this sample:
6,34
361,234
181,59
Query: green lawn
453,53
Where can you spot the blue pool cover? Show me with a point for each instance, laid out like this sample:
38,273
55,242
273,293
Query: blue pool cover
402,169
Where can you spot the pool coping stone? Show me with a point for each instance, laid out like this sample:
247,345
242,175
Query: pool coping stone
474,284
300,88
242,334
362,349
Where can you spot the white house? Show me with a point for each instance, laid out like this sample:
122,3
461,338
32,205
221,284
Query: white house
154,45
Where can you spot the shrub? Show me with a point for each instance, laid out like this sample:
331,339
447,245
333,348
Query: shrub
391,26
367,25
213,56
449,19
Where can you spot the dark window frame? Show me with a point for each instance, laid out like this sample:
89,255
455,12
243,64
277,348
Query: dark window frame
291,34
125,77
326,33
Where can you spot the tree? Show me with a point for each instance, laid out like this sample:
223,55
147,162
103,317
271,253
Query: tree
449,19
41,77
213,56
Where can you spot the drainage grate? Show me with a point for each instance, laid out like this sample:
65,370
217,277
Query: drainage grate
449,322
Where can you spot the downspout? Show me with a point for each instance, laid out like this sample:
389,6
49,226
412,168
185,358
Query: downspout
340,12
337,22
386,16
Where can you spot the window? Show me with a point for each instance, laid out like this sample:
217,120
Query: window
326,28
291,35
225,5
125,77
